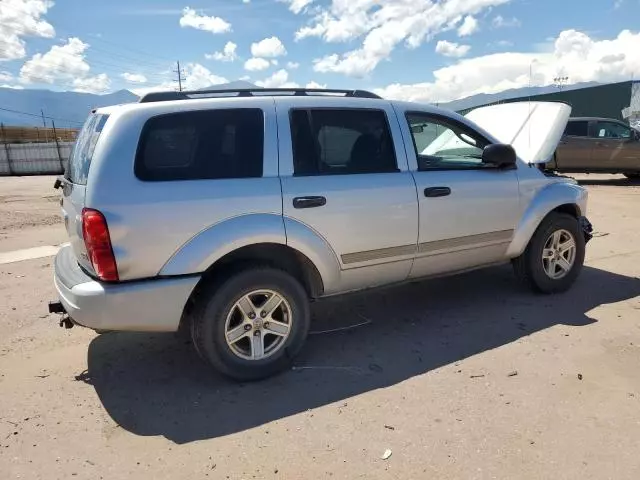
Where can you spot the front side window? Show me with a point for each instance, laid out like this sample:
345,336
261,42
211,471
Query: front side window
612,130
341,141
578,128
441,144
203,144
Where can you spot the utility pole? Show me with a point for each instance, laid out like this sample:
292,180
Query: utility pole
44,123
181,78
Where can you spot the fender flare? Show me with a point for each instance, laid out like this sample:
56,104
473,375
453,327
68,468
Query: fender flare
209,245
310,243
545,201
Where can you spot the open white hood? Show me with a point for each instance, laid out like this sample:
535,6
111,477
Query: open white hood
532,128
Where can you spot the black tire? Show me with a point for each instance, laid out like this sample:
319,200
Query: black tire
632,176
215,300
528,266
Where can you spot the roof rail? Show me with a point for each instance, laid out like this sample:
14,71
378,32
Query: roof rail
252,92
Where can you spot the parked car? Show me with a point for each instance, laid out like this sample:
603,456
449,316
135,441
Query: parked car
224,213
598,145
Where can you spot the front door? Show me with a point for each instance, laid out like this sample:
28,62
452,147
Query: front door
344,175
615,148
574,153
468,212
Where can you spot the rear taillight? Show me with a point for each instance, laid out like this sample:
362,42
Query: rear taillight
96,238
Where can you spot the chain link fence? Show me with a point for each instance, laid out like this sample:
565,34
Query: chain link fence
34,150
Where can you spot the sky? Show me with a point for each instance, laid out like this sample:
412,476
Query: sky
422,50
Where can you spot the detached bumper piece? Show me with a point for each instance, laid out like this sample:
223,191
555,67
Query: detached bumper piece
587,228
57,307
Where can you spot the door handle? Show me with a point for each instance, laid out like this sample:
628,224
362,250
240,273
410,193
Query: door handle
309,202
432,192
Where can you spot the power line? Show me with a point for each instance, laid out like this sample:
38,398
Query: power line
40,115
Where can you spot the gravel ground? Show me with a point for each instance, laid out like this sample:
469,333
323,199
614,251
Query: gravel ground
463,377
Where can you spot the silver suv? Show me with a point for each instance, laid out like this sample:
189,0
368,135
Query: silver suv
224,213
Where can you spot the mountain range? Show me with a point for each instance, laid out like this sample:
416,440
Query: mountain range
70,109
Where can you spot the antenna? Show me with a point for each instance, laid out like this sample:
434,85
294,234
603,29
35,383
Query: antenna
181,77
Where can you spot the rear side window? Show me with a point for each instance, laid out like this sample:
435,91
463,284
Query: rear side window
577,129
341,141
77,170
207,144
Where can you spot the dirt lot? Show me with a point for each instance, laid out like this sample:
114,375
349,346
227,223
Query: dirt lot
465,377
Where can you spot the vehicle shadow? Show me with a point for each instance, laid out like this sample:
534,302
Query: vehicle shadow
154,384
610,182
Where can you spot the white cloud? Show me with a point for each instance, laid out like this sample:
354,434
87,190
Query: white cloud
191,18
452,49
256,64
198,76
468,27
292,65
22,18
384,26
575,54
98,84
500,22
296,6
228,53
617,4
313,84
13,87
6,77
62,62
279,79
273,61
245,78
134,77
268,48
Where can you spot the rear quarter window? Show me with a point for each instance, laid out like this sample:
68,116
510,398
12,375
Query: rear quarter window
77,169
205,144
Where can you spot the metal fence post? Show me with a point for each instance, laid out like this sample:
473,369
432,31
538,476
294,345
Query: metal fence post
55,135
6,147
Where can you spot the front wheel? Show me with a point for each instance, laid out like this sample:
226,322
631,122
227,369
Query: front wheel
253,324
554,257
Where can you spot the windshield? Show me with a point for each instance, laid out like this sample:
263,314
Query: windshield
77,169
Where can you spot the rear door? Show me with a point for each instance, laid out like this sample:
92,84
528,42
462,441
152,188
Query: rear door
75,184
615,147
574,153
344,174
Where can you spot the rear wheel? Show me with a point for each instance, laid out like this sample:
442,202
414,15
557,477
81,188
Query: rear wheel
554,257
251,325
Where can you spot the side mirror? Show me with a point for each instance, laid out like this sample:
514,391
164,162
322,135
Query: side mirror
499,155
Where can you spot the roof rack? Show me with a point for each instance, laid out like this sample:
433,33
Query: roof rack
252,92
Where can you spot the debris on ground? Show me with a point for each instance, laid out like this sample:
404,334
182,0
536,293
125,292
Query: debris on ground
476,376
579,376
386,454
348,327
512,374
389,427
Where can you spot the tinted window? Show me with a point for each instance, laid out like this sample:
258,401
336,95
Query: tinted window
577,129
341,141
444,145
202,145
77,169
612,130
